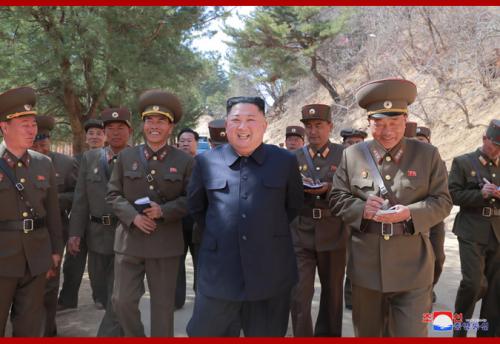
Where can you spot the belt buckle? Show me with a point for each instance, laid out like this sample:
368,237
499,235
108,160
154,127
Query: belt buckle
386,236
19,186
316,213
106,220
28,226
487,211
149,178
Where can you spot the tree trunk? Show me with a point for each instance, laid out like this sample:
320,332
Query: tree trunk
322,80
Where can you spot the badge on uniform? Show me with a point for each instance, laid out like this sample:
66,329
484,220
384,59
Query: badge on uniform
135,165
333,168
473,173
96,170
57,174
300,167
173,170
40,178
364,174
304,167
412,173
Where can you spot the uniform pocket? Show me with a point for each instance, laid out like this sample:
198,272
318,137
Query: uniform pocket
216,184
94,178
173,177
42,184
362,183
132,174
274,183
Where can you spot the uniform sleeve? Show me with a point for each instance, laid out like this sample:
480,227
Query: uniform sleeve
80,209
176,209
53,216
66,197
437,205
295,191
122,208
342,202
197,196
457,184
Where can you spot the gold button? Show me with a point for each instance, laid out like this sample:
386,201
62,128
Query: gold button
318,168
155,158
20,164
153,171
25,214
22,180
387,177
493,200
319,154
494,175
491,164
388,158
151,187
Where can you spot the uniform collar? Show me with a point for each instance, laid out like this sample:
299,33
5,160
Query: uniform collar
230,155
160,154
379,152
11,159
484,159
324,150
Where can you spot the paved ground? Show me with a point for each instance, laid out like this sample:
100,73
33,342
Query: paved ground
84,321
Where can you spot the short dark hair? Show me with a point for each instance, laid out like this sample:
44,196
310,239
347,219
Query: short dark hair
188,130
258,101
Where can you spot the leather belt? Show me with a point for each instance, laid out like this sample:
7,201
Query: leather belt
106,220
26,225
485,211
316,213
386,229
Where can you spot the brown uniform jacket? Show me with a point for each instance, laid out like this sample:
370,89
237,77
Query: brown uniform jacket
327,233
34,249
465,183
128,183
66,169
89,200
417,177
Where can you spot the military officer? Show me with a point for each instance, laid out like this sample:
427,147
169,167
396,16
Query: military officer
188,142
390,256
94,133
30,221
66,169
294,137
437,233
74,265
351,136
149,241
473,183
319,238
93,219
217,131
244,194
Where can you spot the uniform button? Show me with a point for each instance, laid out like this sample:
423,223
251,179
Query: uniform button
319,154
155,158
493,200
22,180
153,171
25,214
244,216
388,158
491,164
244,237
151,187
387,177
318,168
245,196
19,164
318,197
494,175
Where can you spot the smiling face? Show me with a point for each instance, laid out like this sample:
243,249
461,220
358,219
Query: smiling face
294,142
157,129
245,128
94,137
388,131
188,143
20,132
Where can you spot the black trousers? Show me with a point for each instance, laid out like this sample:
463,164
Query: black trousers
479,264
180,289
214,317
73,269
